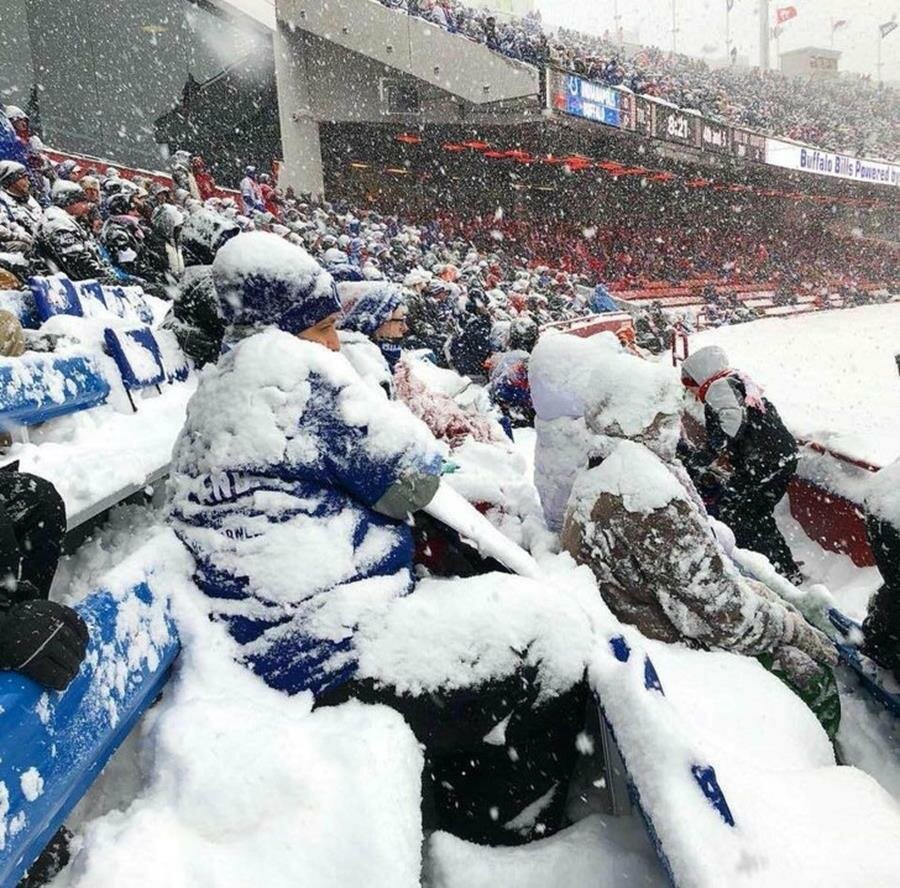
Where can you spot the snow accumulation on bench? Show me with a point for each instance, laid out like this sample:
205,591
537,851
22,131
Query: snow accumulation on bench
92,455
229,783
831,374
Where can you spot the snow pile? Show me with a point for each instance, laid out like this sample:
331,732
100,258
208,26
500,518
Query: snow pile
499,477
773,763
632,393
831,374
560,372
289,797
597,852
632,472
92,455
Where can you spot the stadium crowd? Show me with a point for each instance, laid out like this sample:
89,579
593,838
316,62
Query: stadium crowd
846,114
97,224
269,282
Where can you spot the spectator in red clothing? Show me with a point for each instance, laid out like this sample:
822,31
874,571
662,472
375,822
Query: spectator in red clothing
269,195
206,185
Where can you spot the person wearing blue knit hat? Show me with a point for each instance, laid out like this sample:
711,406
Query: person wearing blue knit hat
380,314
286,450
262,280
295,485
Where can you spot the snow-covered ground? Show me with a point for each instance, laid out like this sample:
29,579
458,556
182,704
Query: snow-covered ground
831,374
226,783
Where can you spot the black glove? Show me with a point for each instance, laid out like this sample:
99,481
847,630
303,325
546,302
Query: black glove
44,640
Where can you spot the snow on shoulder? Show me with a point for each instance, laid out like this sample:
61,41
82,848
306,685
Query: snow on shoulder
249,405
883,498
631,472
626,394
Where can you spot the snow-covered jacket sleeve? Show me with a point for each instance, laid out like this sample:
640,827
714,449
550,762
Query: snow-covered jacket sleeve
663,571
726,402
365,457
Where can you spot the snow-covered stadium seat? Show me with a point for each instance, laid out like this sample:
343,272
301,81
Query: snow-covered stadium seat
36,388
175,362
53,745
55,295
137,355
21,304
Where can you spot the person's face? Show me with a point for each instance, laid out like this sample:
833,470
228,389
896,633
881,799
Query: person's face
79,209
21,187
395,327
325,333
92,194
21,127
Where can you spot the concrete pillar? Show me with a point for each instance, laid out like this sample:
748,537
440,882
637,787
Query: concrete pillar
302,168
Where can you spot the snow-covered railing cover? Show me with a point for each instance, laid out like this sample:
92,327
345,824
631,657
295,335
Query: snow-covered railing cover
53,745
36,388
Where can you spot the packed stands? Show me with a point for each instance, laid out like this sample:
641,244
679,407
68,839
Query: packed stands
848,114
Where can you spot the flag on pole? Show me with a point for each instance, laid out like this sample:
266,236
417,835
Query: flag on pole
786,13
840,23
887,27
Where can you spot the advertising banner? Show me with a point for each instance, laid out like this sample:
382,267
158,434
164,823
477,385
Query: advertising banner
806,159
748,146
715,137
637,113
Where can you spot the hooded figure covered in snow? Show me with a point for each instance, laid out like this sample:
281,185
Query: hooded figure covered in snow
286,453
293,483
636,519
745,427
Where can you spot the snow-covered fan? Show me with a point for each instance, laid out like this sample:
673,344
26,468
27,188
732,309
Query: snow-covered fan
262,280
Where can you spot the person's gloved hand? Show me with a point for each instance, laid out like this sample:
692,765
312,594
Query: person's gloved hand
44,640
412,492
811,641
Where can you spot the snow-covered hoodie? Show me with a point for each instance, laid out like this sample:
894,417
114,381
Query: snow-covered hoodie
559,375
637,521
283,455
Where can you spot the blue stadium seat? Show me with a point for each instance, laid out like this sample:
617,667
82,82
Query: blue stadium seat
90,294
128,303
21,304
53,745
137,355
38,388
177,365
55,295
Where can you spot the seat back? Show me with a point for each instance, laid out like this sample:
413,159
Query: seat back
55,295
137,355
53,745
21,304
34,389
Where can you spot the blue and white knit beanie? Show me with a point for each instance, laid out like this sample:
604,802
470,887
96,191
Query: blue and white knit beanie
262,280
375,305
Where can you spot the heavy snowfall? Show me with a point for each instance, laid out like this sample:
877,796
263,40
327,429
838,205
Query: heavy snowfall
441,446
